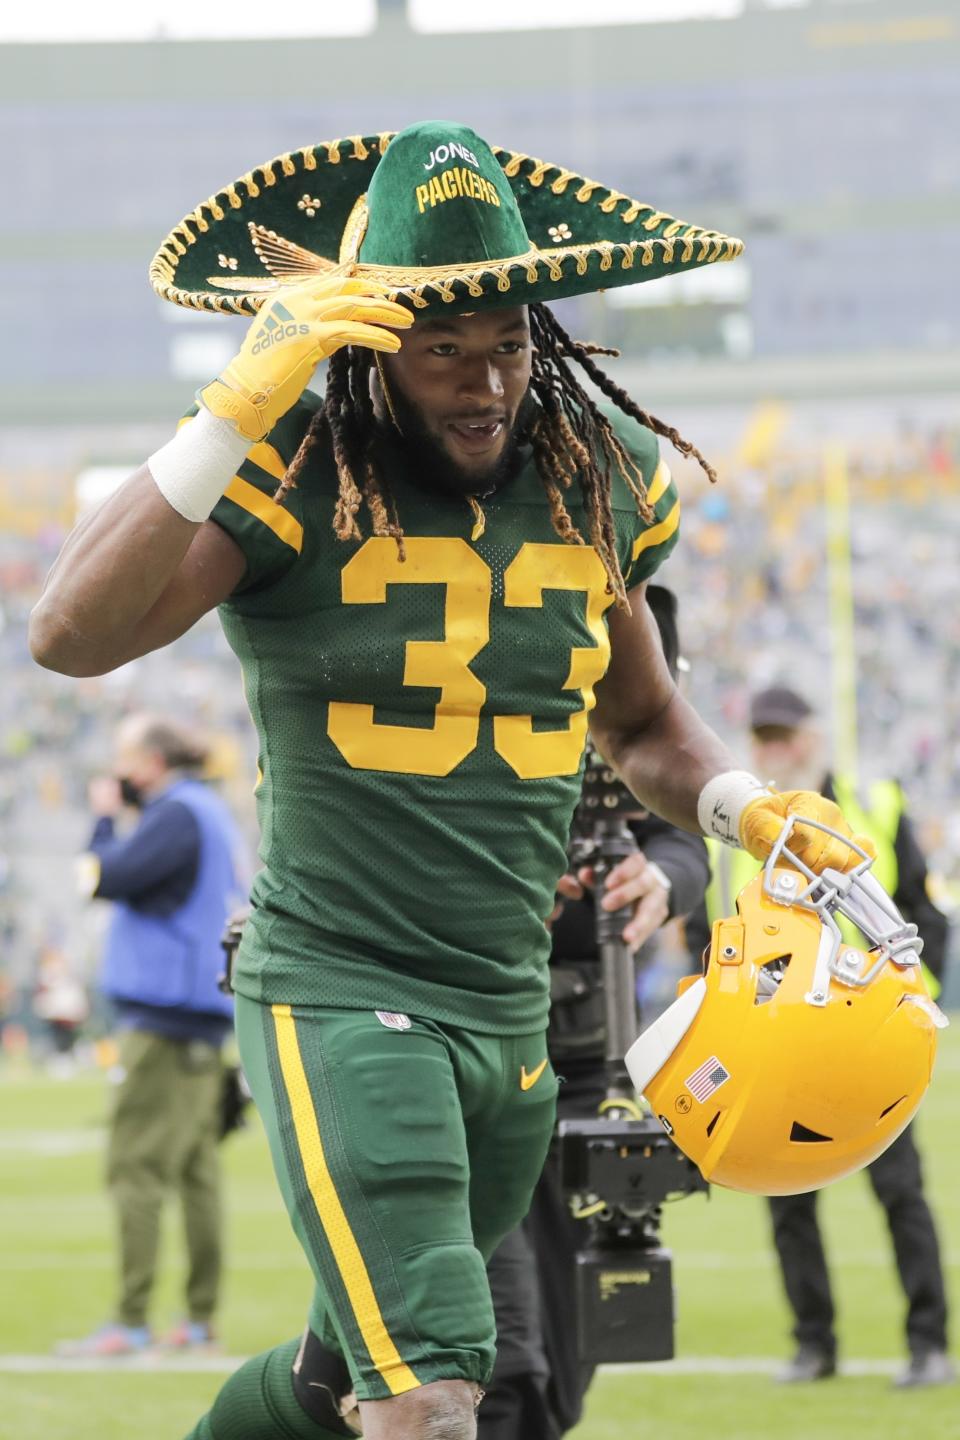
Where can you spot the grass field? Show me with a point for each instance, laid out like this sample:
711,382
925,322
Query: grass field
56,1259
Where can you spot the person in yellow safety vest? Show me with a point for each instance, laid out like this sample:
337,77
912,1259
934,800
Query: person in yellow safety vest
788,750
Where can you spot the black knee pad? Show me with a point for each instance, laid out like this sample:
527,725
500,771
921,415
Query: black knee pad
320,1380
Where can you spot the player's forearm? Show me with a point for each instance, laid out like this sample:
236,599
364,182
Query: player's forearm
107,578
667,763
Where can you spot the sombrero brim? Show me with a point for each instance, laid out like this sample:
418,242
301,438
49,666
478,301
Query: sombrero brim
297,216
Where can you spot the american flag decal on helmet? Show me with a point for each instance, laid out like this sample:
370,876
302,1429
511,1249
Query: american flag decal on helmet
706,1078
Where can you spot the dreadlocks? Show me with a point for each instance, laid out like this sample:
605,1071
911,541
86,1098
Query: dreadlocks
570,437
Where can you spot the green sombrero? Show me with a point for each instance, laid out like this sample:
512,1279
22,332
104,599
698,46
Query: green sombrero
433,213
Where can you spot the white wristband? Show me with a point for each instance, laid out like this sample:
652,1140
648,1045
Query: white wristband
723,800
194,468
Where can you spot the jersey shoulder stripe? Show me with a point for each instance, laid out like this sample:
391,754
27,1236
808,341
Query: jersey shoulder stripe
650,541
250,497
276,518
270,534
668,515
659,483
655,541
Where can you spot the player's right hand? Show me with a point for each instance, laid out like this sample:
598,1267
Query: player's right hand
762,821
291,334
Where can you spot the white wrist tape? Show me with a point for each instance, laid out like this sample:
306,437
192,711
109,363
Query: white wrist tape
194,468
723,800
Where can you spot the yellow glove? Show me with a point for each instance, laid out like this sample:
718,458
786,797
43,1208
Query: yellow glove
291,334
762,820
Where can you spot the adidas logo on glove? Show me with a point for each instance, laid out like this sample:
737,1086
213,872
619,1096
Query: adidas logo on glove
279,325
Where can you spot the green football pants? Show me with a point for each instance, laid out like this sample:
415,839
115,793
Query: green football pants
405,1151
164,1137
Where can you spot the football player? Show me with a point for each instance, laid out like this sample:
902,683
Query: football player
433,577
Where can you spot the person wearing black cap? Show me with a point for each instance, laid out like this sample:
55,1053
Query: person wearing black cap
788,750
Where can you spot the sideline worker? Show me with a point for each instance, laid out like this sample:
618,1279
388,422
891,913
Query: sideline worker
174,880
788,750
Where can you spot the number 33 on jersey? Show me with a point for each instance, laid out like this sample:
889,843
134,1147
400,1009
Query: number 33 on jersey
421,724
445,664
450,634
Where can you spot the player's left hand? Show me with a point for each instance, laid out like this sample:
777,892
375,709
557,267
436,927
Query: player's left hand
762,820
634,881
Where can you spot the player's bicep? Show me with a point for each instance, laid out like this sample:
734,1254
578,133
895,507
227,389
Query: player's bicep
637,686
210,571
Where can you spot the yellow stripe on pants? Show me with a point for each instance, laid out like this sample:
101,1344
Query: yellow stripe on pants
397,1376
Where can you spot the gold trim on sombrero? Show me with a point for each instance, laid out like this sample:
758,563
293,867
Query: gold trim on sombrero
414,282
584,192
163,267
354,231
245,284
285,261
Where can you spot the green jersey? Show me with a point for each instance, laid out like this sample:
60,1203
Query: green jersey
421,726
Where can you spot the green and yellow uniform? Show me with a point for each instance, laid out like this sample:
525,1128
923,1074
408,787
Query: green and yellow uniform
421,727
421,730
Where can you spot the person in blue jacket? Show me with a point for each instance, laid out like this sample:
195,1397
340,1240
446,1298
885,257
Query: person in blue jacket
173,880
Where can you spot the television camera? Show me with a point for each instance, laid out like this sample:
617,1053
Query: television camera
619,1168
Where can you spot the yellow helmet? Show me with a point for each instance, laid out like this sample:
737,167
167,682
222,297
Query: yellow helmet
795,1058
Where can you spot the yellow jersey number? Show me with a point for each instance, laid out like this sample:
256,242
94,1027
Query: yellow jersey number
445,664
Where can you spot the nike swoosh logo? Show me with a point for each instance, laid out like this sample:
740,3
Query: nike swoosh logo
527,1082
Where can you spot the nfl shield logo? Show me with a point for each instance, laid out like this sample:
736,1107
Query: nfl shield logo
392,1021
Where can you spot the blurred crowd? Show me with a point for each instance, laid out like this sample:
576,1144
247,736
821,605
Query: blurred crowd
752,576
55,735
752,573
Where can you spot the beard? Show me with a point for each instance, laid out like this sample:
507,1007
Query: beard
432,465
